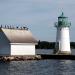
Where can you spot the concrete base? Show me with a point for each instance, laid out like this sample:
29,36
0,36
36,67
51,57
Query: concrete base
62,52
58,57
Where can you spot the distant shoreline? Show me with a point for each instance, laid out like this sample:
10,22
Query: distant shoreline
50,45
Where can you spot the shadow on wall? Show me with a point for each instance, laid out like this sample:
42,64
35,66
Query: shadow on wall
4,44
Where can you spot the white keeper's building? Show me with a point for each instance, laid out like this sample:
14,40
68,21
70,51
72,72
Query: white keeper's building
16,42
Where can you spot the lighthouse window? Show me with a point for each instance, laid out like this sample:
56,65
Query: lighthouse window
60,19
60,22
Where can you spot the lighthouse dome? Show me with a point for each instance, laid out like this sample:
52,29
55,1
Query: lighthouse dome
62,16
63,21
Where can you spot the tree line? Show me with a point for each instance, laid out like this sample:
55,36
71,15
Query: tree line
50,45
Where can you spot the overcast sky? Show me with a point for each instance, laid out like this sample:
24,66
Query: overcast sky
38,15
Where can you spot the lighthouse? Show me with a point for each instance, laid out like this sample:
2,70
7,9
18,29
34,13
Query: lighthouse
62,45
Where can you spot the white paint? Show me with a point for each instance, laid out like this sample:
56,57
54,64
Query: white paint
63,39
16,42
57,38
22,49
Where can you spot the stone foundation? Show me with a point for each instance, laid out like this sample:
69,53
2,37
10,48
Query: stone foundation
19,58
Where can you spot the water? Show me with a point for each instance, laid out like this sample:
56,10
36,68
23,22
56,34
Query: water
38,67
50,51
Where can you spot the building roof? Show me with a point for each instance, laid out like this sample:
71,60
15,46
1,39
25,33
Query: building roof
17,35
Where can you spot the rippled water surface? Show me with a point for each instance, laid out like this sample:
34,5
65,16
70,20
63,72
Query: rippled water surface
38,67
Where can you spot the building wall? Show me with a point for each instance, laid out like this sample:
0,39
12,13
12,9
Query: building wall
4,44
65,39
22,49
57,39
4,49
26,45
62,40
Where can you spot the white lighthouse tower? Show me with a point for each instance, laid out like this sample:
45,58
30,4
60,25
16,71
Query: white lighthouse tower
62,45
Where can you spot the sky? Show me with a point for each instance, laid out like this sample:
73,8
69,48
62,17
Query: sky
38,15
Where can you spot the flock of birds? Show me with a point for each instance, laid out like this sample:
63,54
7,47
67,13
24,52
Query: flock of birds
12,27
